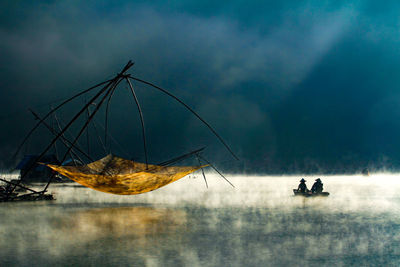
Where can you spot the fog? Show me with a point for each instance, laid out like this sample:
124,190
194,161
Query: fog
257,223
376,192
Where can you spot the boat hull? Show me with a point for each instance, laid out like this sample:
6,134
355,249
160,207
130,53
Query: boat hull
309,194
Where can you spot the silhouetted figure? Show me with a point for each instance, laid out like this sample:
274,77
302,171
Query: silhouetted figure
317,187
302,186
365,172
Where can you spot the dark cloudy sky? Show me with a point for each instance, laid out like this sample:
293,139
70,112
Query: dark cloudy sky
292,86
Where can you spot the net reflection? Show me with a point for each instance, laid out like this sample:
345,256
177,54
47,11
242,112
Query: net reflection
118,222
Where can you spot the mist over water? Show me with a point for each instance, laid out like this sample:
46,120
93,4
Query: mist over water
257,223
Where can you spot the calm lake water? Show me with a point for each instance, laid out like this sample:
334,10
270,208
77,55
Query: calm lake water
257,223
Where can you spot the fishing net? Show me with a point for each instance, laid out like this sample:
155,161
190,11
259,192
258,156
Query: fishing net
120,176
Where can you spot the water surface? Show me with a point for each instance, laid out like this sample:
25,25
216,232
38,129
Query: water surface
257,223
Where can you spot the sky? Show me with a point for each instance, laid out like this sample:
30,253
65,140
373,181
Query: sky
291,86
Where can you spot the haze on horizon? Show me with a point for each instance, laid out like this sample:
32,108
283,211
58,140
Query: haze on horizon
293,87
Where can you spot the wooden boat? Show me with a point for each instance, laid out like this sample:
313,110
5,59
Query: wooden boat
310,194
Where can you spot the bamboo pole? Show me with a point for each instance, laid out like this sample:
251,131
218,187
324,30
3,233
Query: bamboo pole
99,137
108,84
190,109
27,188
127,66
141,120
215,169
117,80
63,139
87,132
76,145
106,118
52,111
113,139
62,132
202,171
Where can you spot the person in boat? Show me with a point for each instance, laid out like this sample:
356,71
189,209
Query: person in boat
302,186
365,172
317,187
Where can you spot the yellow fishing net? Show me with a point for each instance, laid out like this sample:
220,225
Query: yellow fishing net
120,176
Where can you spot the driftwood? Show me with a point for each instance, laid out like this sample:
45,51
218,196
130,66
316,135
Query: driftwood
34,195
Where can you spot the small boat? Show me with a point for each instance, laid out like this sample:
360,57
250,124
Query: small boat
309,194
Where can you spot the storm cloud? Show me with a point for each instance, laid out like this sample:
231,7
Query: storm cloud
299,86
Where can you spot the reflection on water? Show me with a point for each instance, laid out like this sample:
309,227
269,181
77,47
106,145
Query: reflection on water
259,223
120,222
